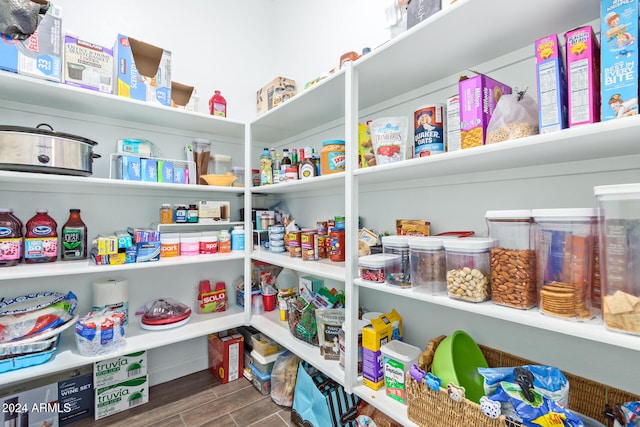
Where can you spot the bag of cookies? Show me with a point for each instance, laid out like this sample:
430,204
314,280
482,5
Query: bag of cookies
515,116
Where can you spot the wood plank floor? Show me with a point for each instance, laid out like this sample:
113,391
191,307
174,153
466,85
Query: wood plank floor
199,400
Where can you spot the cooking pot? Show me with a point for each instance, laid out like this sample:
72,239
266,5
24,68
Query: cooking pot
44,150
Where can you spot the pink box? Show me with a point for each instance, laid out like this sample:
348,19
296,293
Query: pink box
583,76
478,98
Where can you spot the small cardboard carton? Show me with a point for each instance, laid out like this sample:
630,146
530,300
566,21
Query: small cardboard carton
88,65
264,96
583,76
180,94
142,71
118,369
40,55
619,59
226,356
453,123
114,398
552,85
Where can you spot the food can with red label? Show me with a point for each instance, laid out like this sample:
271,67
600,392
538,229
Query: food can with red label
428,125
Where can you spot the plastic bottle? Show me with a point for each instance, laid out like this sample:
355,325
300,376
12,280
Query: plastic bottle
237,238
11,241
265,168
41,239
307,168
218,105
74,237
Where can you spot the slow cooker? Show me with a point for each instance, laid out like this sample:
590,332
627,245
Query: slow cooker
45,150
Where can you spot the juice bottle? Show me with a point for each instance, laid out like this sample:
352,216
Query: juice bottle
74,237
266,176
218,105
10,238
41,239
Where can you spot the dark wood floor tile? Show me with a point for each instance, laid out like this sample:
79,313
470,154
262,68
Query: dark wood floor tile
271,421
232,386
256,411
285,414
221,420
222,405
174,421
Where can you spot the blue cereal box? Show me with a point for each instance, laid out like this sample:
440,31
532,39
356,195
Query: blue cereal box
552,85
149,170
142,71
619,58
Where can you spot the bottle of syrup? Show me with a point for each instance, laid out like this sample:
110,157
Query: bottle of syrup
41,239
74,237
218,105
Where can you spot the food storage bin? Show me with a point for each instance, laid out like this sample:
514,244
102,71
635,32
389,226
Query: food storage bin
513,261
619,243
398,245
238,171
398,358
220,164
564,242
260,380
427,264
264,363
264,345
468,268
375,268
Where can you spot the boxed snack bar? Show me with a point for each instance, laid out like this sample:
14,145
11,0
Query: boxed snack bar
552,85
478,98
583,76
264,96
142,71
88,65
619,59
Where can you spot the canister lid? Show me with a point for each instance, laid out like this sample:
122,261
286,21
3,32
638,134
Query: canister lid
619,191
378,260
427,242
238,169
169,237
189,237
221,157
333,141
395,241
508,214
563,214
470,244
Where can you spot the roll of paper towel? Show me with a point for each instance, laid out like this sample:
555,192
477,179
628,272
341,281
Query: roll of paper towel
113,294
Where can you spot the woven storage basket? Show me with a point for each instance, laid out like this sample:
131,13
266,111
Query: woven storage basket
428,408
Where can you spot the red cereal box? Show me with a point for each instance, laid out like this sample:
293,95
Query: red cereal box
583,76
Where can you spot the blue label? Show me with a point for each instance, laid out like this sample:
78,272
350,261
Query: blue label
42,230
4,231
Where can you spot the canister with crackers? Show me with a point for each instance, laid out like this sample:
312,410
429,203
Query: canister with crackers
513,261
619,233
565,240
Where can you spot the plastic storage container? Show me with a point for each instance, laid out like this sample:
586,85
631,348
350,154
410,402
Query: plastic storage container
619,243
169,245
468,268
189,244
513,261
238,171
398,245
375,268
220,164
428,264
398,357
260,380
263,363
264,345
565,241
332,157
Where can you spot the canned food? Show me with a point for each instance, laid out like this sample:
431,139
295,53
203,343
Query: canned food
309,245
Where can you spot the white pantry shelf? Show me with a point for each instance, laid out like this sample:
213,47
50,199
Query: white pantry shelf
332,183
323,268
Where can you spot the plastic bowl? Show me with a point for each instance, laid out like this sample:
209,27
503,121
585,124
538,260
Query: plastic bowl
219,180
457,360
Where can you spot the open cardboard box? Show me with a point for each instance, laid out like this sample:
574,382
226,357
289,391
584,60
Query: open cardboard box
180,94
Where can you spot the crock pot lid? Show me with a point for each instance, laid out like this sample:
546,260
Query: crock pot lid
47,132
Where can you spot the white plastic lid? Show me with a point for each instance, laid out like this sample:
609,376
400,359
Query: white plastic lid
378,260
264,360
221,157
395,241
209,237
370,315
564,214
427,242
400,350
238,169
189,237
619,191
360,323
509,214
470,244
169,237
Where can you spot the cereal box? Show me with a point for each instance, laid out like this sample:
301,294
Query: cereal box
453,123
583,71
478,98
552,85
619,58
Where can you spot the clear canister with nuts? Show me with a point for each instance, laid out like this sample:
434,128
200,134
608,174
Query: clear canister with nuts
513,261
469,268
398,245
428,267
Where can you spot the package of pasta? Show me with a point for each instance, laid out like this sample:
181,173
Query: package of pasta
515,116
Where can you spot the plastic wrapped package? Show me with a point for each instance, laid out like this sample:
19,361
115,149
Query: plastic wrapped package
283,378
100,333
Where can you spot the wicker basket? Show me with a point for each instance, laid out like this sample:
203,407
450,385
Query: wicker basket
428,408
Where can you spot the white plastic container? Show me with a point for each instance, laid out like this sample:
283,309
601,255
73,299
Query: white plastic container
375,268
427,265
169,245
238,171
237,238
264,363
220,164
398,358
469,268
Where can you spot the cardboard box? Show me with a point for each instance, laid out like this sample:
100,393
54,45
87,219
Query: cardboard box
419,10
165,171
129,168
264,96
76,398
39,55
119,369
619,59
478,98
453,123
308,285
226,356
142,71
372,369
114,398
551,80
180,94
88,65
149,170
583,76
213,210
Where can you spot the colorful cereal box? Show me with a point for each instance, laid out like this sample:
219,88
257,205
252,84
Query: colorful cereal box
619,56
583,72
552,85
428,125
478,98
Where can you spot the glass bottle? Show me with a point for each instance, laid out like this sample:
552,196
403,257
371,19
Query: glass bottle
307,167
276,170
41,239
74,237
265,167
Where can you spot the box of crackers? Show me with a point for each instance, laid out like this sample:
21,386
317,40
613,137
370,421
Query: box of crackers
478,98
583,76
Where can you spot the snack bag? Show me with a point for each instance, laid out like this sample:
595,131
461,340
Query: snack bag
283,378
515,116
366,157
